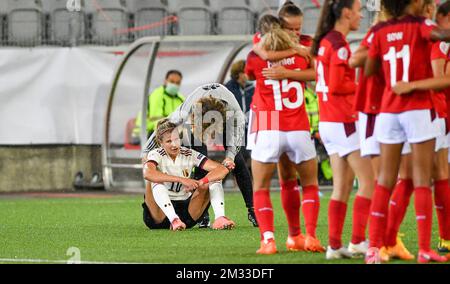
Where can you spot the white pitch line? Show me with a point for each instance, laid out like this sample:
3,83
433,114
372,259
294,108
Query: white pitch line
28,260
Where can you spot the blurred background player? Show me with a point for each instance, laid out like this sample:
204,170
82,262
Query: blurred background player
173,199
338,129
282,131
243,91
212,98
161,103
404,118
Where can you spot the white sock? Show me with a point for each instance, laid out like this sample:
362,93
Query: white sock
217,199
268,235
161,197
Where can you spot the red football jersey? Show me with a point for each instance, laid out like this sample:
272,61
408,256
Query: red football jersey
279,103
439,50
334,50
401,45
370,90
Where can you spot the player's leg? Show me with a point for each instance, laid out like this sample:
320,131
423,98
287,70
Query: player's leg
362,168
199,202
422,158
441,188
339,139
398,206
391,136
290,201
337,209
244,182
198,174
217,199
389,165
422,130
304,160
160,208
308,173
262,175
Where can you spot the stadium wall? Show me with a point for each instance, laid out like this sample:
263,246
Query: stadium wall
46,167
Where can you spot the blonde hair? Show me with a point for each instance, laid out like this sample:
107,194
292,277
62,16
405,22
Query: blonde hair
210,103
162,127
278,39
381,16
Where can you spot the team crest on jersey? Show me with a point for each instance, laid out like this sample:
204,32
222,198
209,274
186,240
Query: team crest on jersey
343,53
443,46
186,173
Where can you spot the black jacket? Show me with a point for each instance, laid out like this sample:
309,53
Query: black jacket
244,101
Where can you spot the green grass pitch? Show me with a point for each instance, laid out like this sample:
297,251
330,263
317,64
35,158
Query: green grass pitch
110,229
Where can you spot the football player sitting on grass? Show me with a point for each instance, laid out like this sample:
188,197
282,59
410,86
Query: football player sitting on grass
174,200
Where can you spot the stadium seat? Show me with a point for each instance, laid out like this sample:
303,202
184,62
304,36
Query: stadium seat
234,17
66,28
262,7
152,16
25,22
311,17
109,21
194,17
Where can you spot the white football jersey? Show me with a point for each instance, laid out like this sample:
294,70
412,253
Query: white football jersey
181,167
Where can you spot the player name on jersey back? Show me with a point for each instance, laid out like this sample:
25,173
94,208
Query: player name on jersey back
283,62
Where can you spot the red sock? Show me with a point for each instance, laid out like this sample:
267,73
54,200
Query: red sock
423,202
441,201
336,219
397,209
378,215
310,208
263,211
290,199
361,209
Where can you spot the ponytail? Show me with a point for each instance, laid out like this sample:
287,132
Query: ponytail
330,14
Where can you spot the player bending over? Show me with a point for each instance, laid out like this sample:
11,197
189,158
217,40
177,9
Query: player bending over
174,200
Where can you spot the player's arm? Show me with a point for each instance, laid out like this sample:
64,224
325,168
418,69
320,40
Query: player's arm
372,66
440,81
280,73
338,84
436,84
273,55
359,57
149,146
152,174
216,172
438,34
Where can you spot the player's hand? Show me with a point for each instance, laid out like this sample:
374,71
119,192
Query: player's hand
190,184
275,73
402,88
229,164
304,51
